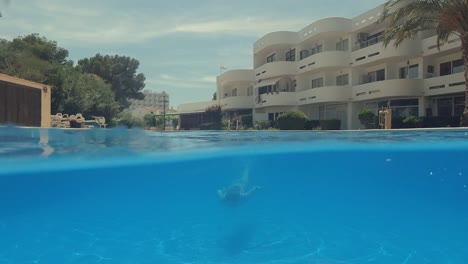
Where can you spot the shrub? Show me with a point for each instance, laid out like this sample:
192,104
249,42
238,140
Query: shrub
292,120
312,124
426,122
210,126
214,114
274,124
128,120
262,125
367,118
413,121
247,120
440,121
332,124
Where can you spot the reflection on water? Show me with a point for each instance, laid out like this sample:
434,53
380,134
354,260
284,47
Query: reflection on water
18,143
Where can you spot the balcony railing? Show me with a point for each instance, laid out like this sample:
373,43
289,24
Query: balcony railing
368,43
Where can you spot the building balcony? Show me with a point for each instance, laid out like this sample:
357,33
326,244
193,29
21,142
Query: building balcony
327,59
275,99
429,45
326,25
236,76
374,50
454,83
388,88
237,102
276,69
283,38
327,94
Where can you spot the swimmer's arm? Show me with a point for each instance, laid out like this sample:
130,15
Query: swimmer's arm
252,190
221,194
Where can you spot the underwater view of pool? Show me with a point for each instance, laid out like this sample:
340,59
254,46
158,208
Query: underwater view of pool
132,196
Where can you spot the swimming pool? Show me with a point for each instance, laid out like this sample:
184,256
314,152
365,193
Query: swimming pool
128,196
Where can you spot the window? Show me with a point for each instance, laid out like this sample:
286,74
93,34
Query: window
342,45
316,83
342,80
400,107
304,54
451,106
271,116
234,92
451,67
376,76
274,116
366,40
444,106
291,55
404,107
409,72
446,68
458,66
316,49
459,105
374,39
271,58
266,89
250,91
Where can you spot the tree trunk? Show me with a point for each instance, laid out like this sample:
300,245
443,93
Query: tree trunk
464,116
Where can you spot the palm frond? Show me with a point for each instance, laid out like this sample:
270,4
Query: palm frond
408,18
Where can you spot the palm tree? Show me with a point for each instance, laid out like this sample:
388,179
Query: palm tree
407,18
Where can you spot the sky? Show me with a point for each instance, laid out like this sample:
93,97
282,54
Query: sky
181,44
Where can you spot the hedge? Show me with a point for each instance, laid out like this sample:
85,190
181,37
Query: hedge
292,120
332,124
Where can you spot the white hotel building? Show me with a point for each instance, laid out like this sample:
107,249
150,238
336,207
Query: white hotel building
336,67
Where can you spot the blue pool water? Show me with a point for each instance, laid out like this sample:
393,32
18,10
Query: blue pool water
128,196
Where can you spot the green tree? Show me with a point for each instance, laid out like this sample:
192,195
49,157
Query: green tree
120,73
31,57
38,59
446,17
153,120
83,93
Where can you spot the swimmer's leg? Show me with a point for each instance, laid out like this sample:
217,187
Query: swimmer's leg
245,177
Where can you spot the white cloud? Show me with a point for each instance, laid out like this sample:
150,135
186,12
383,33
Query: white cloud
208,79
85,24
192,83
167,77
242,26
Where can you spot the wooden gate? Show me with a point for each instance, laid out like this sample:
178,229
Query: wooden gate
20,105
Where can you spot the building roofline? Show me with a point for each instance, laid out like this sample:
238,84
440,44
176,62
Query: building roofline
22,82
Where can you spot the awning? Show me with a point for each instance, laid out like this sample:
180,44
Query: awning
267,82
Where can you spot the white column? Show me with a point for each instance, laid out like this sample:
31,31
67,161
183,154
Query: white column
350,115
422,106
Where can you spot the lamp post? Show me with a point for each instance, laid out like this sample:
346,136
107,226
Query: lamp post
164,110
